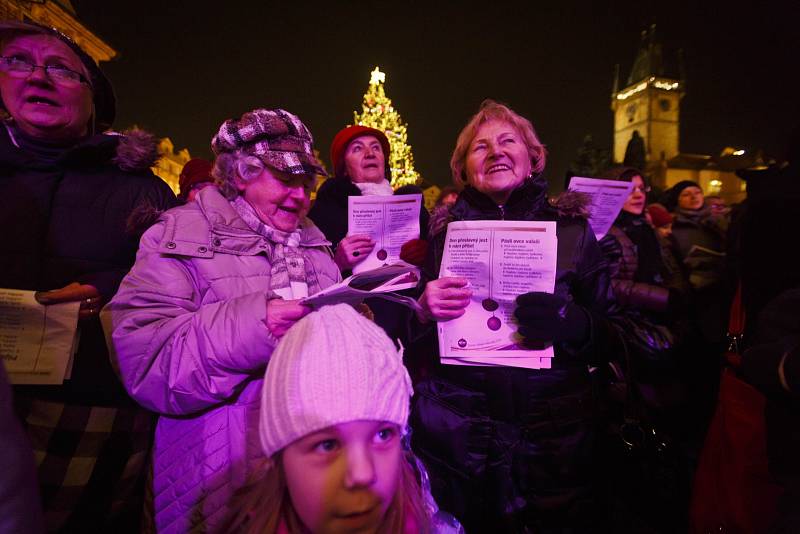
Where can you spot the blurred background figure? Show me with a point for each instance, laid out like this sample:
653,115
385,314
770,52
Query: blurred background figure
448,196
68,191
699,244
195,176
717,205
660,218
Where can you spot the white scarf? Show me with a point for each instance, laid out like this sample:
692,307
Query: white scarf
382,188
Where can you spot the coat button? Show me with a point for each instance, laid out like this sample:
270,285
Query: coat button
202,249
216,242
170,244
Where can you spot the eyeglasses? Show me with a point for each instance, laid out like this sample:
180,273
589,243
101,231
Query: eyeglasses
21,68
641,189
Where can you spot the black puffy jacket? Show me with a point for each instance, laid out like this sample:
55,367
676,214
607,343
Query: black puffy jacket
511,447
67,221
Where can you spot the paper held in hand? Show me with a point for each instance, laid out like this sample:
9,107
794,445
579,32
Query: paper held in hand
380,282
501,260
390,221
37,343
607,197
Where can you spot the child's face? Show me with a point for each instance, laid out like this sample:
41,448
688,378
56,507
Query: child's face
343,478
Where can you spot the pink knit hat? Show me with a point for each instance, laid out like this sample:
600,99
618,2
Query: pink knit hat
333,366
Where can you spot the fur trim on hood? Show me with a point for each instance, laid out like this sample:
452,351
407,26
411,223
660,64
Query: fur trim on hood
137,150
141,218
571,204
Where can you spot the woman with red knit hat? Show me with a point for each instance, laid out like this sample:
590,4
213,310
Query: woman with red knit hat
360,160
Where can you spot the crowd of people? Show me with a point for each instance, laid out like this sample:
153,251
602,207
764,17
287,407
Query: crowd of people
206,396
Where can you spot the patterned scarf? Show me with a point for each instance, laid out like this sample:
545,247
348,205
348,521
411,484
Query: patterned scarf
293,276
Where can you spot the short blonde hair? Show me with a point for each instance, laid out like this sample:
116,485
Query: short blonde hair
491,110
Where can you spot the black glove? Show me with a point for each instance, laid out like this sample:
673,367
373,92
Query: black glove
612,252
546,317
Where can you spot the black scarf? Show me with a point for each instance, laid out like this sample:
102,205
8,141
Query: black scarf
637,229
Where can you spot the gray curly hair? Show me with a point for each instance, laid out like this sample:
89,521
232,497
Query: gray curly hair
229,165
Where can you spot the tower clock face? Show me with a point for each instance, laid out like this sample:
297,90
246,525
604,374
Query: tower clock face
665,104
631,112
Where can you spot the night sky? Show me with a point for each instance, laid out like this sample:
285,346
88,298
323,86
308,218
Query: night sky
185,66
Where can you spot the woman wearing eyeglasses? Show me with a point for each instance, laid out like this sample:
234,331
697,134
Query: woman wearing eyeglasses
647,284
640,278
68,191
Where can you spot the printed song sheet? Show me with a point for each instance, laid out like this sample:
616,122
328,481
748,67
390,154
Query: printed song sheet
389,220
36,342
501,260
607,196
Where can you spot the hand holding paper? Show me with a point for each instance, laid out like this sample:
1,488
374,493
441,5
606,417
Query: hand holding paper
282,314
444,299
88,296
352,250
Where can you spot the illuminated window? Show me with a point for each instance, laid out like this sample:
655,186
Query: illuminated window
714,186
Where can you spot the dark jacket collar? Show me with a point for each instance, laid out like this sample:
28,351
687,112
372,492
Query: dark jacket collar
133,150
525,201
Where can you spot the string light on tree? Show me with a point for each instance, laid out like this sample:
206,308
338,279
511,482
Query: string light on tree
377,112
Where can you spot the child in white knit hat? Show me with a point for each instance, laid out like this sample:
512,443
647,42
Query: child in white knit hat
334,410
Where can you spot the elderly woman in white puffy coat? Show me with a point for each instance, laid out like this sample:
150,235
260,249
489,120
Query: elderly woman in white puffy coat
216,283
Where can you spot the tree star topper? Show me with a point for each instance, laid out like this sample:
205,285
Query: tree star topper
376,76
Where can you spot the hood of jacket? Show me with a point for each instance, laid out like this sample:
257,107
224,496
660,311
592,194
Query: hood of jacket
210,224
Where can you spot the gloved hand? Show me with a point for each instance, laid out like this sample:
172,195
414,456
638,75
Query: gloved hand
547,317
611,249
414,251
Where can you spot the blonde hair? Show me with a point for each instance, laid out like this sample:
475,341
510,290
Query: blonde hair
259,507
491,110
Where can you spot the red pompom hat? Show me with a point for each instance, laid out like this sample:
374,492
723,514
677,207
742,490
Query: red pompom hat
343,138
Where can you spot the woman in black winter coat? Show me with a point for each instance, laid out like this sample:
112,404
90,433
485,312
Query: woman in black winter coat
360,157
651,294
68,192
511,448
642,281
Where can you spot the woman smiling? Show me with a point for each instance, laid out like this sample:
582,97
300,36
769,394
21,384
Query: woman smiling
216,283
510,448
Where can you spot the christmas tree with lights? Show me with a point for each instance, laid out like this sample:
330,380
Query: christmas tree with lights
377,112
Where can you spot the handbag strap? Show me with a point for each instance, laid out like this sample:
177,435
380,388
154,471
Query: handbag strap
633,409
736,323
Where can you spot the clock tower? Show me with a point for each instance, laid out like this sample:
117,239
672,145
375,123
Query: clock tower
648,104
